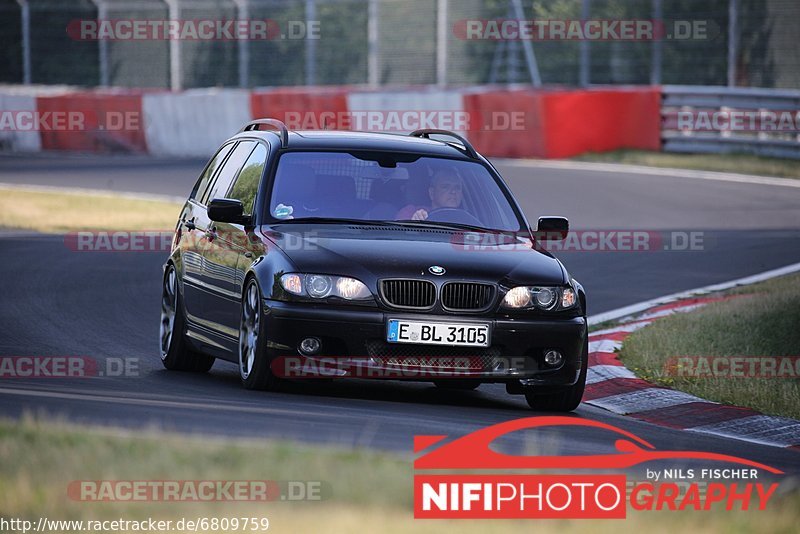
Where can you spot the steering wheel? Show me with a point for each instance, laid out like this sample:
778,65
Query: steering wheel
453,215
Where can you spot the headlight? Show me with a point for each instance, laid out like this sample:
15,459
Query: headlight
542,298
352,289
293,283
568,298
519,297
546,297
320,286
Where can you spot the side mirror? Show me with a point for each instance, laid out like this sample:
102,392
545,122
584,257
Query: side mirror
552,229
227,210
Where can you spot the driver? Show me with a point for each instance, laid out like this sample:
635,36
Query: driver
446,191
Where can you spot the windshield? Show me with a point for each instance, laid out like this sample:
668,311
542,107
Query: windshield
386,187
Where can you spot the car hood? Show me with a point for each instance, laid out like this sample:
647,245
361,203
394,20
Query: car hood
371,253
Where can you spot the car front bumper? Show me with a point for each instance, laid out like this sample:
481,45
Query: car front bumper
353,344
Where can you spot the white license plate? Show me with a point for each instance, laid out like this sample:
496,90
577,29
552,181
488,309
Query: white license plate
426,333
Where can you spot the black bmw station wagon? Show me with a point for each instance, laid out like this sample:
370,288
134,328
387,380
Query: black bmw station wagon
370,256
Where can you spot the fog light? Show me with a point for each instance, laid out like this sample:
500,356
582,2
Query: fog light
310,346
553,358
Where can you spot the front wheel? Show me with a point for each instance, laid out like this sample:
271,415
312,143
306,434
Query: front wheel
254,365
566,400
175,352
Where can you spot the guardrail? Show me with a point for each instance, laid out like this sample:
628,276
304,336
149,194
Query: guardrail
720,120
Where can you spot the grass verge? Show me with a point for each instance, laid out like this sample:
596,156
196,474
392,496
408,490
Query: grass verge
737,163
39,458
765,321
57,212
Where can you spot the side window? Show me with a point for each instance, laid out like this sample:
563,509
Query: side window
201,186
245,187
229,171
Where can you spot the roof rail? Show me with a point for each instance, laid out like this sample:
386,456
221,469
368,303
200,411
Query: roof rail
280,129
426,134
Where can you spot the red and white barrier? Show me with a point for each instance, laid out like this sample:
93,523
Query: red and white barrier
518,123
18,106
561,124
409,110
93,122
301,109
193,123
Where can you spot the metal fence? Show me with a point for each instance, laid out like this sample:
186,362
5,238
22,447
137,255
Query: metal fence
748,43
725,120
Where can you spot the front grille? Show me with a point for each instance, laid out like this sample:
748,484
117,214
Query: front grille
401,355
467,296
410,294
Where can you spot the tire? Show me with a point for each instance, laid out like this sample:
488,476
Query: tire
254,363
457,385
566,400
175,352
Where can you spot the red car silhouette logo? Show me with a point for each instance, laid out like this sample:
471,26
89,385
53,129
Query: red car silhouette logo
473,450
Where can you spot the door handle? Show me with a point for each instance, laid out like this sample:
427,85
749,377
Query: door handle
189,225
211,233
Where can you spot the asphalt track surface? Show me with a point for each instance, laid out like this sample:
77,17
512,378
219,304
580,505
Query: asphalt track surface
58,302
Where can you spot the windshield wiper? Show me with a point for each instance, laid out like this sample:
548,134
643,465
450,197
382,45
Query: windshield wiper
404,223
336,220
451,226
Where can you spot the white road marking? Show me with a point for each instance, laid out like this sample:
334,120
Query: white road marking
643,400
601,373
604,345
628,327
671,311
621,168
628,311
763,429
